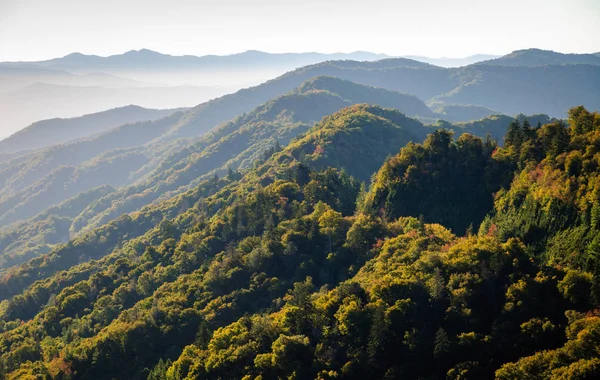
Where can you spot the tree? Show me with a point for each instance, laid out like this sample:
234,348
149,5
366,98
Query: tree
330,223
514,135
581,120
159,372
203,336
292,355
442,343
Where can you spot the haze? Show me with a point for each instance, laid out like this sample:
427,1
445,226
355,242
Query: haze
39,29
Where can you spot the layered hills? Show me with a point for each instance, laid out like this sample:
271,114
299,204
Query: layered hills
496,84
124,155
344,220
293,269
136,158
57,131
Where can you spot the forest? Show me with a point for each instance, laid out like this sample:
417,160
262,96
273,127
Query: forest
310,216
369,245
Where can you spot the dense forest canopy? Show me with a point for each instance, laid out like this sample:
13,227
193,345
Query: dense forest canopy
454,257
143,168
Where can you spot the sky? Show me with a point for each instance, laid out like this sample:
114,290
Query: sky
42,29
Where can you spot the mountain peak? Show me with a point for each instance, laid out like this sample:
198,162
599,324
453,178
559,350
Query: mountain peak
254,52
540,57
142,52
74,55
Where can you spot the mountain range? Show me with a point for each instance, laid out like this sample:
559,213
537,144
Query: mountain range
130,168
387,218
177,151
57,131
539,57
268,271
148,59
80,84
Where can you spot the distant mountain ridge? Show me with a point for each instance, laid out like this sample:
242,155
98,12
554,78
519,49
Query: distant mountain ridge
505,89
56,131
78,84
484,84
148,59
40,101
539,57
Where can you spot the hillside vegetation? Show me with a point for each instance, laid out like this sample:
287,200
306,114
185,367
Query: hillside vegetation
462,259
145,169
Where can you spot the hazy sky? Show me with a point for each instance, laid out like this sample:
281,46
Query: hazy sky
39,29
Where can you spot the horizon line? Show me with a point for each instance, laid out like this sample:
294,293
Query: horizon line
386,55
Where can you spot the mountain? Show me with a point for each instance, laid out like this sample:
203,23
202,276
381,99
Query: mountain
147,59
162,164
293,269
123,155
38,180
234,146
136,157
231,71
479,85
356,139
336,134
57,131
205,116
538,57
39,234
237,144
79,84
514,89
13,78
189,80
40,101
506,89
420,289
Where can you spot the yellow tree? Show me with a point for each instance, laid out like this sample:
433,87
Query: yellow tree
329,222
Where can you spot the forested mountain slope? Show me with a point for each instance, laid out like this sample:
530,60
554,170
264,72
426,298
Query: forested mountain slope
38,180
335,139
234,145
37,235
463,306
119,157
336,185
456,86
292,270
553,204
